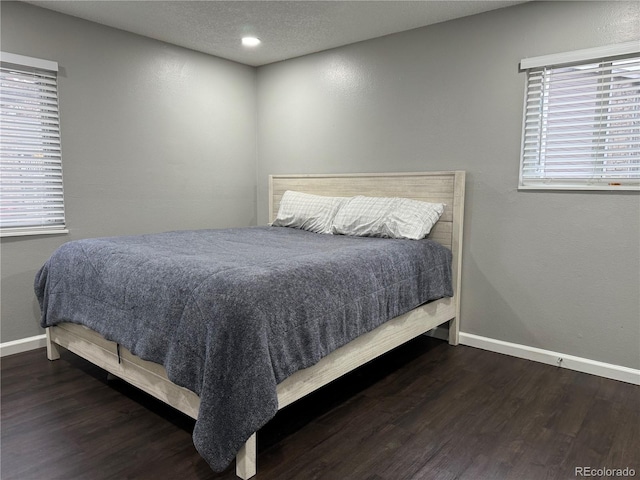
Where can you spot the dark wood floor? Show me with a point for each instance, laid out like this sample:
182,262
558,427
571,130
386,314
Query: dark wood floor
424,411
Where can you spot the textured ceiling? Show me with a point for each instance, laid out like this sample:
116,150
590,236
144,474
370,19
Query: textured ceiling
287,29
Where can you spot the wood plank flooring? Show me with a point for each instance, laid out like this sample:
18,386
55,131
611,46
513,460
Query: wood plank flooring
424,411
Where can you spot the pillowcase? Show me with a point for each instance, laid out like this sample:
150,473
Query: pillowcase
386,217
308,212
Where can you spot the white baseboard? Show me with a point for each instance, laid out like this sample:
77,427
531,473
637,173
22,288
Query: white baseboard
23,345
593,367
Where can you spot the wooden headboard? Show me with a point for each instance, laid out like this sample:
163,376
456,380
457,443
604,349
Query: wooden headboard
437,187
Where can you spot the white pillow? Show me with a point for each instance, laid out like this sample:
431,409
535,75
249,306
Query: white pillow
307,212
386,217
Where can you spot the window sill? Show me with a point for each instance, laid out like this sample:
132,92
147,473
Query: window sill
16,232
606,188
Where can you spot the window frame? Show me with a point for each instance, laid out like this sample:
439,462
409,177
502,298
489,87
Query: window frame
36,64
587,56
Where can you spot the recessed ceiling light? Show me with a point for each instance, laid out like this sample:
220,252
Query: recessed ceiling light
250,41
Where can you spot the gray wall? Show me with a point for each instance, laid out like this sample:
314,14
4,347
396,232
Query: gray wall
154,138
558,271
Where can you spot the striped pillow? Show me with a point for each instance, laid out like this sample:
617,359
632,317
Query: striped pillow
308,212
386,217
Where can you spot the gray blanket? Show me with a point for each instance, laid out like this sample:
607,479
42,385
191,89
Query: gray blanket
231,313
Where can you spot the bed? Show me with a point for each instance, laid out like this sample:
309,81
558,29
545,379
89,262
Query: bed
151,377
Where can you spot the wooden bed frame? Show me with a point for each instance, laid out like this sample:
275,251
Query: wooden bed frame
442,187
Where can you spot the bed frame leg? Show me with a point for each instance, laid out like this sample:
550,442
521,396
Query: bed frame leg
246,459
454,331
53,353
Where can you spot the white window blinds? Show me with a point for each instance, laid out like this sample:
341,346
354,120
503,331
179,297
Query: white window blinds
31,196
581,125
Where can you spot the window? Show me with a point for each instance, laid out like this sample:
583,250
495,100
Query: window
31,197
581,127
